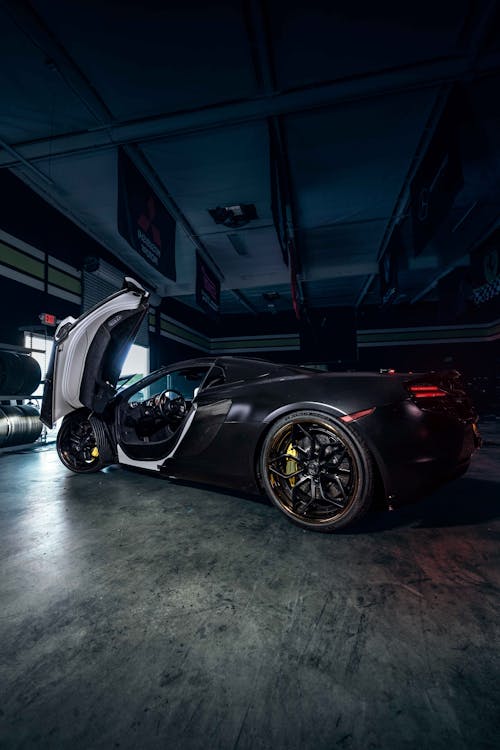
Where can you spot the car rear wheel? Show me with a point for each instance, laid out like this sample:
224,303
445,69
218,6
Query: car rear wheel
76,444
316,471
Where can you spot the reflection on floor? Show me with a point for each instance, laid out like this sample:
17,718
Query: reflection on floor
138,613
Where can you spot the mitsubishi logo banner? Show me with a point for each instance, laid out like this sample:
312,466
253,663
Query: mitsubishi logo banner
143,220
207,288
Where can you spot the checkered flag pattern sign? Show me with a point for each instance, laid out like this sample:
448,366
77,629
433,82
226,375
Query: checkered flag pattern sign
486,292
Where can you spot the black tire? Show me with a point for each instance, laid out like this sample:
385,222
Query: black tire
19,425
19,373
10,373
317,471
76,444
31,374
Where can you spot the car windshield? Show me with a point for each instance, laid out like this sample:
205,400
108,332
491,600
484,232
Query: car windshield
126,381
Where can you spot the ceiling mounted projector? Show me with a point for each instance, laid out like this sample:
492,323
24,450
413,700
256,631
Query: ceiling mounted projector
234,216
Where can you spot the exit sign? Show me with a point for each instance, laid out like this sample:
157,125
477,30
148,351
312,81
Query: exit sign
47,319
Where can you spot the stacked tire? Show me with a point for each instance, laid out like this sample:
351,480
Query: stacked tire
19,425
19,376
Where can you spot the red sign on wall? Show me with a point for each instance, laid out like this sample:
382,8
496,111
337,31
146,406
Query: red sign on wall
207,287
47,319
143,220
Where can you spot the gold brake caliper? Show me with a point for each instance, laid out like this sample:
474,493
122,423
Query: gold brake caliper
94,452
291,464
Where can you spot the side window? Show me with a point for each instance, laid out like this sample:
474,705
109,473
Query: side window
215,377
183,381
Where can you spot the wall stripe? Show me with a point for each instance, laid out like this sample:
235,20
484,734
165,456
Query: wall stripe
182,340
469,333
179,332
21,261
64,266
171,328
20,245
286,342
250,349
56,291
27,265
22,278
64,280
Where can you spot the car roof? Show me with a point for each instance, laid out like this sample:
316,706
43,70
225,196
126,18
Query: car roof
237,368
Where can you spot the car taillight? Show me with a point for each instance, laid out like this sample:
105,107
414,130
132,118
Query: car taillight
426,391
442,393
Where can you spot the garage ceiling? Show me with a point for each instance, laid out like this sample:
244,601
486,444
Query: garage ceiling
191,89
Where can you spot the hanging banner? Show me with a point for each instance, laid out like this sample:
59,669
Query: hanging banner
389,266
207,288
143,220
439,177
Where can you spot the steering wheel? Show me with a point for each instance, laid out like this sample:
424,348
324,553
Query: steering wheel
170,408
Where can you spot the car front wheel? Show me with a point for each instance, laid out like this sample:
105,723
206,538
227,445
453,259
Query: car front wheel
77,445
316,471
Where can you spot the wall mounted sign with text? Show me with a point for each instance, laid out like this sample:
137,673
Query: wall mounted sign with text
143,220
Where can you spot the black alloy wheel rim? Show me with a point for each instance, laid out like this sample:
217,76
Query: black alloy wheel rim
78,445
312,471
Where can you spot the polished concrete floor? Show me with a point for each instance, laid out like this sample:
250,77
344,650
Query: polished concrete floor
137,613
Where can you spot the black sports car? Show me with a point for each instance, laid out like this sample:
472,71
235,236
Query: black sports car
320,445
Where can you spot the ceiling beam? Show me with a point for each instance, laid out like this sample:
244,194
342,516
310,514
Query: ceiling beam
480,26
260,45
242,299
27,20
464,260
365,288
108,135
339,268
30,23
25,163
263,60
